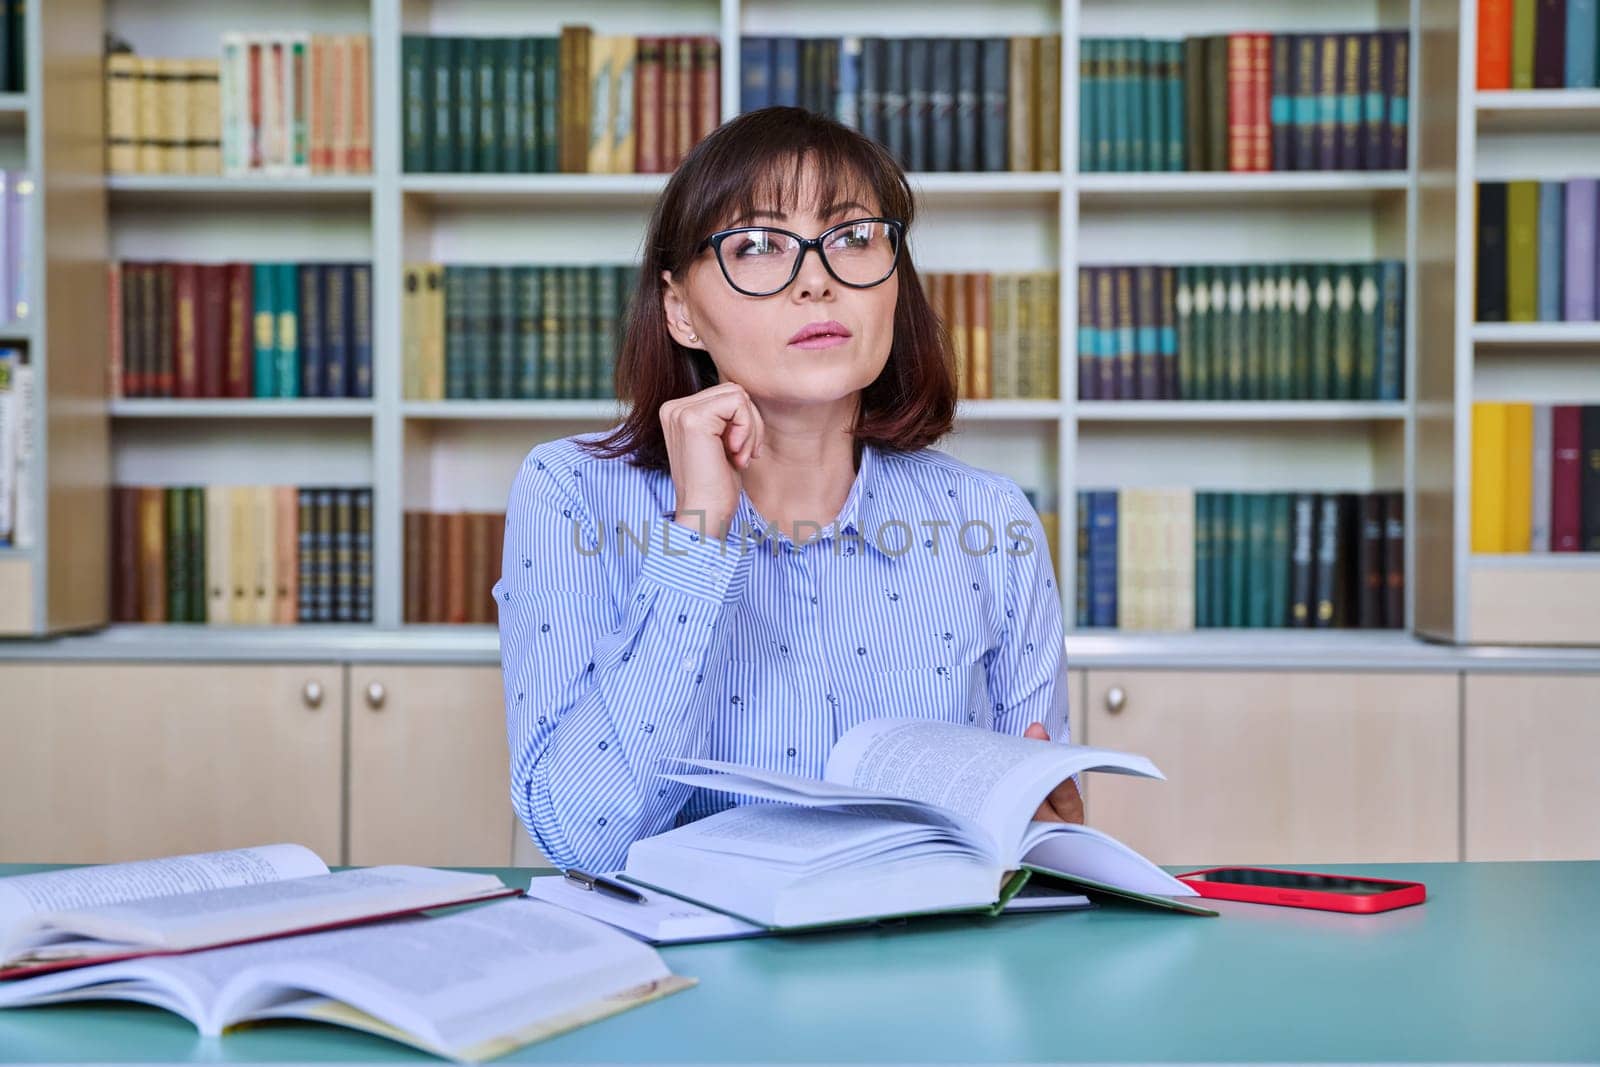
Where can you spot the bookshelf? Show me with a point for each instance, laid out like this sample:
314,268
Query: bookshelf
1547,134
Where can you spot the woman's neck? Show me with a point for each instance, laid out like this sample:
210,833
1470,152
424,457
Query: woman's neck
802,476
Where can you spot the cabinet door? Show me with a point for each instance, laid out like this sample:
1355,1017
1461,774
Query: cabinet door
1533,767
105,762
429,772
1075,710
1280,767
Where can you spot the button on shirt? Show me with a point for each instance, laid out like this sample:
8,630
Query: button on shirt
628,639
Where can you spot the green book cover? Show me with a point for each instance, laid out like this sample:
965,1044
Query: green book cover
1322,304
503,355
1238,557
1172,52
1183,301
263,278
1202,559
1523,21
549,104
1237,311
586,330
442,157
608,285
1345,317
455,333
194,506
177,535
415,76
1253,387
530,330
508,71
286,298
1137,88
1260,551
1522,251
552,372
466,105
480,333
1367,327
490,58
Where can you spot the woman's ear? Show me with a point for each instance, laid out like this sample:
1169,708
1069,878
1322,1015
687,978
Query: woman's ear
676,310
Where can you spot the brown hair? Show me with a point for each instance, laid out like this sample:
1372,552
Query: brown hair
762,156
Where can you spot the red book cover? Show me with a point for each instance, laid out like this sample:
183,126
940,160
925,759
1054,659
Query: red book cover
707,87
647,106
1240,94
1494,44
213,326
114,312
1261,102
1566,477
186,312
239,351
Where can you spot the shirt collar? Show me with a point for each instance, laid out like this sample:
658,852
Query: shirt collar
857,515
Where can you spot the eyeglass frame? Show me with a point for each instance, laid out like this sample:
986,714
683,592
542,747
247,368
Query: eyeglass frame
714,242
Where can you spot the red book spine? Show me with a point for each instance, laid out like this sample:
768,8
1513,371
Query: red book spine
186,295
1494,44
1261,102
1239,96
254,131
166,305
114,290
213,326
1566,477
237,375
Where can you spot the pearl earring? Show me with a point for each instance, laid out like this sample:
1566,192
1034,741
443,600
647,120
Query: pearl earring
693,337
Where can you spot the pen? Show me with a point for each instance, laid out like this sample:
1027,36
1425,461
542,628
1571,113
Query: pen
584,880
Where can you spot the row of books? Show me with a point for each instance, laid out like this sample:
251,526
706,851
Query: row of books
16,273
14,48
276,104
1244,102
1538,44
1004,330
452,560
513,332
1539,251
1267,331
241,554
17,429
578,103
194,330
1535,477
1178,559
936,103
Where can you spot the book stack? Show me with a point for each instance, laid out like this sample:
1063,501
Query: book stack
13,49
1538,252
250,554
1043,502
1245,102
278,330
452,560
577,103
17,430
1535,478
278,105
1538,44
1260,331
513,333
936,103
1177,559
1004,331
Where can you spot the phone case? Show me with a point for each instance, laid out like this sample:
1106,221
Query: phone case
1403,894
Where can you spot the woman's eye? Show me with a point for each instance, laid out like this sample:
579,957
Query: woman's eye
859,237
756,245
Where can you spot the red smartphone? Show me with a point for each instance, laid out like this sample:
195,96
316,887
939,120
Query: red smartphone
1305,889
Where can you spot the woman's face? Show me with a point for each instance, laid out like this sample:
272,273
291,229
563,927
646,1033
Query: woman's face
748,338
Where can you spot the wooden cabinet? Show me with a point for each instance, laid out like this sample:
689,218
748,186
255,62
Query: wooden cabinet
1532,767
1279,767
106,761
429,771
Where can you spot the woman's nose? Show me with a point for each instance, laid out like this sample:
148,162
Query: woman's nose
813,280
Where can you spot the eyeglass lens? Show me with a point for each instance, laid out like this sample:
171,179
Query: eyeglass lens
761,261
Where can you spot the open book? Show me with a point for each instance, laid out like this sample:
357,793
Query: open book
469,986
911,816
80,915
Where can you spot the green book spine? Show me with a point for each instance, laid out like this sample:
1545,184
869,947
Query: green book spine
177,521
1202,559
1523,22
1321,331
466,104
1344,332
1216,90
415,77
455,333
1237,310
552,370
1183,301
265,315
1283,354
442,157
1282,520
549,104
1220,522
1214,362
608,283
480,333
1301,326
194,505
489,107
1367,327
1175,108
1118,82
1522,251
1238,556
1271,328
572,345
528,97
585,329
286,297
508,74
504,354
1088,98
1260,559
1391,326
1105,108
1138,90
530,331
1196,138
1254,334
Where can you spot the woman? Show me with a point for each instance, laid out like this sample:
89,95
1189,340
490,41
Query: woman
766,551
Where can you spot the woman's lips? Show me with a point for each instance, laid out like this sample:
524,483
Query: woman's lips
825,334
822,340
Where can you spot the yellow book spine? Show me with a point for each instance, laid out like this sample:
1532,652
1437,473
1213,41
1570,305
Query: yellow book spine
1518,532
1488,477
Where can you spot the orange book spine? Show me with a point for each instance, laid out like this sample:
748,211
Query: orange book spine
1494,44
455,557
1261,101
360,94
979,361
1240,120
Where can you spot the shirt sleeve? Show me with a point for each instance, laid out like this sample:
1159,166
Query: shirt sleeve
602,683
1027,675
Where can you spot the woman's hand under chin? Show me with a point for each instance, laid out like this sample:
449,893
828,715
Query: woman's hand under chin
711,436
1063,804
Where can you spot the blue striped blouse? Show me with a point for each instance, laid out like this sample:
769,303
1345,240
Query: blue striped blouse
627,638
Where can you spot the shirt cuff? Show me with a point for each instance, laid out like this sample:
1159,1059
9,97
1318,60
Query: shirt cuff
688,561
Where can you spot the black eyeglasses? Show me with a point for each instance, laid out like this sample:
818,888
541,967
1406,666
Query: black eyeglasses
762,260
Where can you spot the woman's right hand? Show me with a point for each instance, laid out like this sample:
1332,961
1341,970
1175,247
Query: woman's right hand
711,436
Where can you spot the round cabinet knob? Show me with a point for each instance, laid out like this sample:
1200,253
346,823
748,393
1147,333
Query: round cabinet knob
1116,699
376,695
311,694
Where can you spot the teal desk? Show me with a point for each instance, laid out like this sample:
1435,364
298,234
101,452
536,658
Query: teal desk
1502,963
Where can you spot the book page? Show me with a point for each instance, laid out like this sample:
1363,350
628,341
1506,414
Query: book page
27,894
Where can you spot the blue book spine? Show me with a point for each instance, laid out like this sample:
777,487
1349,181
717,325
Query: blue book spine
755,74
1081,614
1583,43
1552,211
1391,328
310,330
1177,155
785,86
360,377
847,100
1103,558
263,278
335,329
306,557
1305,101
